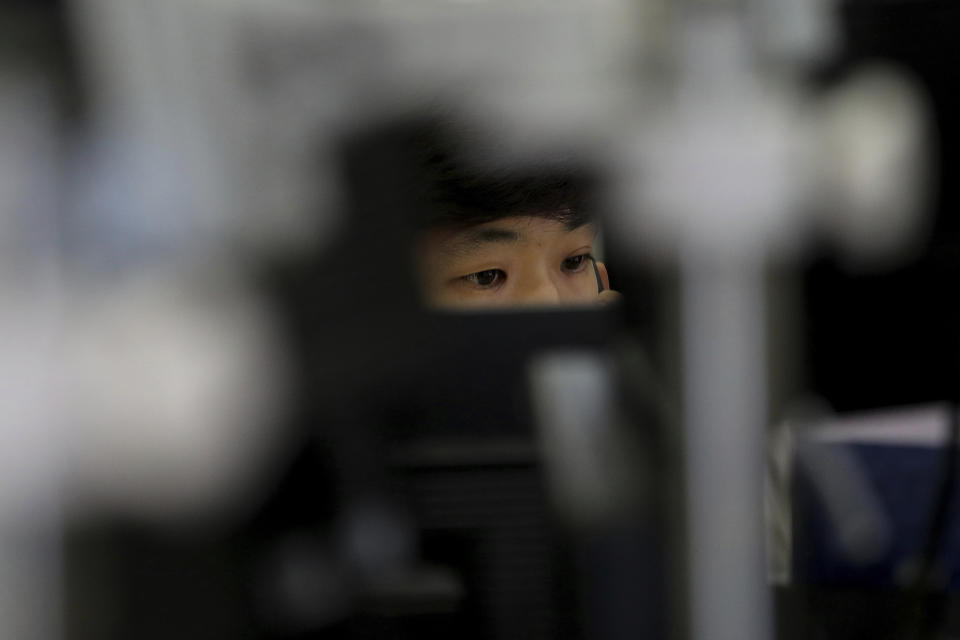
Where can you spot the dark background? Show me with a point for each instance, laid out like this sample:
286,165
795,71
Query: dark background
891,338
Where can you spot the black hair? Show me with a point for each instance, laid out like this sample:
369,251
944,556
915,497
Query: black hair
465,190
435,173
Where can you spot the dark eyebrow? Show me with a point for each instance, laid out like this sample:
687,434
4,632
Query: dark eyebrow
474,239
484,236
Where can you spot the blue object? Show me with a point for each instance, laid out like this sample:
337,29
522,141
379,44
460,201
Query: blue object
904,479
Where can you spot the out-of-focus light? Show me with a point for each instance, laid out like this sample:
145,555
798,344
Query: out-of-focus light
175,391
877,165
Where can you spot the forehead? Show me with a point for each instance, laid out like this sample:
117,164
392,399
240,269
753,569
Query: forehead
522,231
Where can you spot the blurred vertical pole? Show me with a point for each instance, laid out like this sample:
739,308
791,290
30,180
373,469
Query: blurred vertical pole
721,184
727,167
30,437
725,397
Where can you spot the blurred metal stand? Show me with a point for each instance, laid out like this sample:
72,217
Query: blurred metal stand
731,159
31,421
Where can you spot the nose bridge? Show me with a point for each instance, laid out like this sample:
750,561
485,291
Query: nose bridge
537,287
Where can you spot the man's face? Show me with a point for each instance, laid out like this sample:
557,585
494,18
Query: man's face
516,261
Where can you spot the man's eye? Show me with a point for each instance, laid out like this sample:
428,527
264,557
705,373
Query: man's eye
486,278
574,263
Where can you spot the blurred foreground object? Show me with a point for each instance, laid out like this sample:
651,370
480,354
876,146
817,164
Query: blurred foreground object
176,389
31,427
730,160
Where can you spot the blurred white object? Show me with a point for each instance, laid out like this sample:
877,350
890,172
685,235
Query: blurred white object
721,163
725,412
175,390
721,175
793,33
876,165
31,456
30,443
731,161
591,463
715,179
